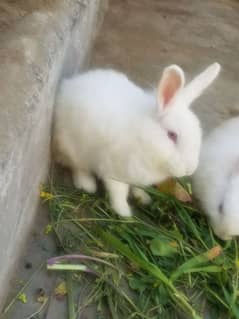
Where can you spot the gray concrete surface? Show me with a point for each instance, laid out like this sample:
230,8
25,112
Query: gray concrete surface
31,271
40,41
140,37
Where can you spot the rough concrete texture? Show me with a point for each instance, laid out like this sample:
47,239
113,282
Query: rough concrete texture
31,273
40,41
142,37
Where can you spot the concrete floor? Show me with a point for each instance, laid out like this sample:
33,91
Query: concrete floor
140,37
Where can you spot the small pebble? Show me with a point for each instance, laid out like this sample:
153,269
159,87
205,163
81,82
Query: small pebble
28,265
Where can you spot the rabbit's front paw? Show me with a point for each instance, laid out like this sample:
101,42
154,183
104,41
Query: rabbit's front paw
118,197
84,181
122,208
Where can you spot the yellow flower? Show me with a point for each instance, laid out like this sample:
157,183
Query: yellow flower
22,297
41,296
214,252
61,290
173,244
48,229
46,195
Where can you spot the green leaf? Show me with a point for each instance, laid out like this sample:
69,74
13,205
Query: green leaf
196,262
163,295
233,307
179,297
137,284
206,269
162,247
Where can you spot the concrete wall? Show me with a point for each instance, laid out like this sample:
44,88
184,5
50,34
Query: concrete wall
35,51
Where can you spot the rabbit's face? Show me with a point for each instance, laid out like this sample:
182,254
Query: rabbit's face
225,221
181,127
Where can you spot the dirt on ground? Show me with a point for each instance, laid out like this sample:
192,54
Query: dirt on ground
11,11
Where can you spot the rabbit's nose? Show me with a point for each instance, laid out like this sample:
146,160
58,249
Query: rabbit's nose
222,235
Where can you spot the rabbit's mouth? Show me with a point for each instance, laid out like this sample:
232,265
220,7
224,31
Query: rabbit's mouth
223,236
220,230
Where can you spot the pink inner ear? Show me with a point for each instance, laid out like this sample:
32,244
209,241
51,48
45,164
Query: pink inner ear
169,86
168,94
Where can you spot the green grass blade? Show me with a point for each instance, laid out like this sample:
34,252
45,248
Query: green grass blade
195,262
70,296
178,296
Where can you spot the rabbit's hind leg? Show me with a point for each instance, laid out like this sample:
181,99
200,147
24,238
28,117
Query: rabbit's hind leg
140,194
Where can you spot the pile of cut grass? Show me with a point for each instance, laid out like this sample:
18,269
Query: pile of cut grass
162,263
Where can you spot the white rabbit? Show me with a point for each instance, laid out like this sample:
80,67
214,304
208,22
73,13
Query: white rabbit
216,180
106,125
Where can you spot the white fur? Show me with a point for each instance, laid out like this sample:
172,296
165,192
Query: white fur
106,125
216,181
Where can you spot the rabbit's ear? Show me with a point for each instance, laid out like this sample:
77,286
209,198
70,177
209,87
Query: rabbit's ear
196,87
171,82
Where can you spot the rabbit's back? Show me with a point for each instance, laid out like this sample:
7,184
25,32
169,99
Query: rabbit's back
105,93
220,148
95,117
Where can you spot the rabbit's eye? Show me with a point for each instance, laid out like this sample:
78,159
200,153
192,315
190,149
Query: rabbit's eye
173,136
